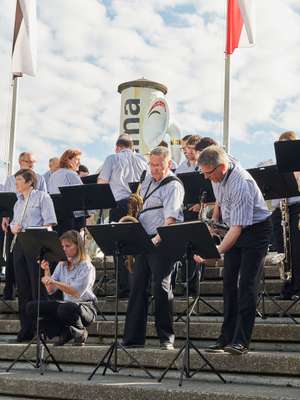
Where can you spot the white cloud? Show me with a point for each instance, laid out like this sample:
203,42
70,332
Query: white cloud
84,54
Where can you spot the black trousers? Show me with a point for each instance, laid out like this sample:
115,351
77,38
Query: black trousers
115,215
242,270
293,286
59,315
10,281
160,266
27,279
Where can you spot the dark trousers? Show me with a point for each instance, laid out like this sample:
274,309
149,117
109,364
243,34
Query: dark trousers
27,279
293,286
10,281
115,215
242,269
59,315
160,267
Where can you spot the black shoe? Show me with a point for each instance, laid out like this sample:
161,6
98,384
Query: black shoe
79,335
218,347
64,338
236,349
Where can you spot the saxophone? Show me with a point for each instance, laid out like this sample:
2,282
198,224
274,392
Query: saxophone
217,230
285,265
135,206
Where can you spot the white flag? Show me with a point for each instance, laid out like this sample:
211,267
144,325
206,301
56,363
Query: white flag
24,41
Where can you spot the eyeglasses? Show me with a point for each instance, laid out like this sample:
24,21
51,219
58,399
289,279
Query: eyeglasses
28,161
208,174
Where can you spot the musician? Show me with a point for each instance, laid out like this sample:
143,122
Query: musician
33,208
163,195
290,287
244,246
67,175
183,144
118,170
26,161
190,164
75,278
53,166
83,171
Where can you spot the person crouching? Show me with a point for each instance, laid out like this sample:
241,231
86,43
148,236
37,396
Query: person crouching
75,278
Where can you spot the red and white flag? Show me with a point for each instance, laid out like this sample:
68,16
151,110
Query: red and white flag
24,41
240,24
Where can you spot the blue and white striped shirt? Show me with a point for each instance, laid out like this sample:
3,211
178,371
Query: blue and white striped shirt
186,166
121,168
240,198
81,278
39,210
10,184
169,196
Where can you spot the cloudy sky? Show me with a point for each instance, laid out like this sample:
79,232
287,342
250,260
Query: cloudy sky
86,48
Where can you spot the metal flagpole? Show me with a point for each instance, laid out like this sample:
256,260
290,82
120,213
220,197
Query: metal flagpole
13,125
226,138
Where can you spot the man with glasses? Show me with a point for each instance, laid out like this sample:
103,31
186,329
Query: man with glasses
244,246
26,161
190,164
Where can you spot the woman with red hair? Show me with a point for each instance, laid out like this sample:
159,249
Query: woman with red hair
67,175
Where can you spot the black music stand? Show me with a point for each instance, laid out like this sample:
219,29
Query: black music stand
89,179
287,155
42,245
194,185
7,202
119,239
273,185
187,239
89,197
288,160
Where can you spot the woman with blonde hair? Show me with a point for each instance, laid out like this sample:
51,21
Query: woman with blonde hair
75,278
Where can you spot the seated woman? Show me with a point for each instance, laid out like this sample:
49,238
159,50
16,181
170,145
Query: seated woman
75,277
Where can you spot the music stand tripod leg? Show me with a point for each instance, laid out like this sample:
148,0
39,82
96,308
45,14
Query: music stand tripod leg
185,365
113,349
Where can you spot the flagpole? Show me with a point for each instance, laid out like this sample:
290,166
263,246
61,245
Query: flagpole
226,137
13,124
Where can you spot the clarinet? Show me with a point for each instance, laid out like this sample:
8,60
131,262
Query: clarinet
21,220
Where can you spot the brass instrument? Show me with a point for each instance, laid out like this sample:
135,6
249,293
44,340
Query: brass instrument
217,230
135,205
285,265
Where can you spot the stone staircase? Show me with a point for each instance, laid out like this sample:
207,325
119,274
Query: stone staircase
271,370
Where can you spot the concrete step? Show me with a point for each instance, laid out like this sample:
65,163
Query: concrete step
206,330
107,305
75,386
211,273
213,287
262,363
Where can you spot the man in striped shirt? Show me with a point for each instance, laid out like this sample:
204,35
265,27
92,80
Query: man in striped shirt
244,246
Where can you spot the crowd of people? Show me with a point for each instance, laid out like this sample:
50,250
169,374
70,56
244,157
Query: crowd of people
67,301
